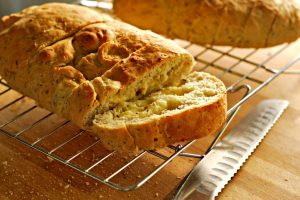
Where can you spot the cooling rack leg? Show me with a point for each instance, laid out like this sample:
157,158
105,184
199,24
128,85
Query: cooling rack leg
231,114
215,141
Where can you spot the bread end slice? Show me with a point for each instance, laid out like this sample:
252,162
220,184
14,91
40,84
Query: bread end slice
194,109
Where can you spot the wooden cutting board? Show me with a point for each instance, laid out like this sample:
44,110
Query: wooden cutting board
272,172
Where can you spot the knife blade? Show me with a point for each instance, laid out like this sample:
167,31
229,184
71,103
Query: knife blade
216,169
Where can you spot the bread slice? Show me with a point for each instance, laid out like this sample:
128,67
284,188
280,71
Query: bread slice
76,62
241,23
194,109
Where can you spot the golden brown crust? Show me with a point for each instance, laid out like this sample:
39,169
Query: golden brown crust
242,23
73,60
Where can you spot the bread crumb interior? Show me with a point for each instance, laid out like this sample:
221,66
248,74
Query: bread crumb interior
196,89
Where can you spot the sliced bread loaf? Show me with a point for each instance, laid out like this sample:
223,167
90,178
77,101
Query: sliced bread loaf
102,75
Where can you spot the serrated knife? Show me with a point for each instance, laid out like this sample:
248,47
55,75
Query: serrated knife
216,169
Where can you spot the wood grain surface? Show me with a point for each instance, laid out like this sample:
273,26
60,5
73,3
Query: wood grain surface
272,172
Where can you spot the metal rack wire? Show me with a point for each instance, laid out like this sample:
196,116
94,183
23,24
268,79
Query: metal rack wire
62,141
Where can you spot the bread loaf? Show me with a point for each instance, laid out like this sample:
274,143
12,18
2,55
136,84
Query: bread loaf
72,60
240,23
80,63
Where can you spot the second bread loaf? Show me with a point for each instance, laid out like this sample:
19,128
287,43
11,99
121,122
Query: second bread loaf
241,23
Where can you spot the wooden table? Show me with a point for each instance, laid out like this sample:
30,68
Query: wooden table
272,172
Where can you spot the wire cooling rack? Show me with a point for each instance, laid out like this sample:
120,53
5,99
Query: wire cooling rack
244,72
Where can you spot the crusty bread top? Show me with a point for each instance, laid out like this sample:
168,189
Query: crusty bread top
72,60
